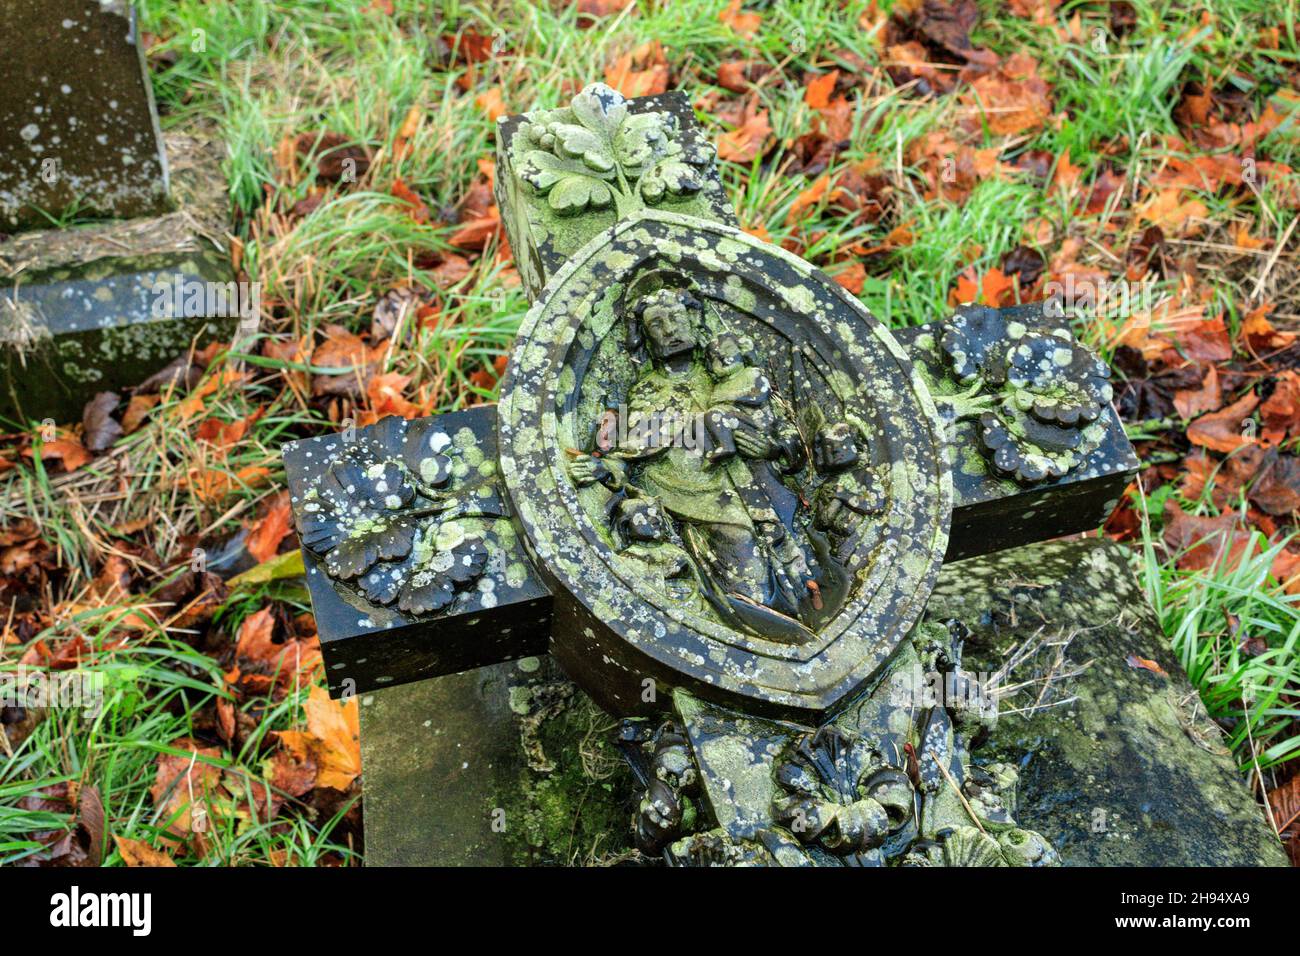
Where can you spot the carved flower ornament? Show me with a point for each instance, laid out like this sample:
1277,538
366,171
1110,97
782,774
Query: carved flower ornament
595,152
1038,394
839,793
382,527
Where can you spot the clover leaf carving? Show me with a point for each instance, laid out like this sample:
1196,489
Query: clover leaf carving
595,152
1039,395
383,528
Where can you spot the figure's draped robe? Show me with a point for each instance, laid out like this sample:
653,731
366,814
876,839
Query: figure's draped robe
718,526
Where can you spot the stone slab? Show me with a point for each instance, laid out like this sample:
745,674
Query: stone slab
1119,765
80,308
78,129
505,765
1132,744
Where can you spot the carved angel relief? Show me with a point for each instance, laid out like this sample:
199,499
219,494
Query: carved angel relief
712,482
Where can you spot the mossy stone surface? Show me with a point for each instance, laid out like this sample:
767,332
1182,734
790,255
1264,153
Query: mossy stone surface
78,129
508,765
1131,772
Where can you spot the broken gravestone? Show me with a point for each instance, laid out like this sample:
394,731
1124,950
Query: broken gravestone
90,308
719,493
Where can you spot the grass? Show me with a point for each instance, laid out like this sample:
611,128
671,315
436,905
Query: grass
258,73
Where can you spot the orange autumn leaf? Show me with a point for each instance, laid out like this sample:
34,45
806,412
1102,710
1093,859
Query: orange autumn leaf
418,211
744,22
1222,430
745,142
818,92
1168,210
332,739
809,197
274,526
491,103
139,853
219,433
211,485
852,277
195,402
386,398
68,451
1010,99
1146,664
642,72
1259,332
1242,238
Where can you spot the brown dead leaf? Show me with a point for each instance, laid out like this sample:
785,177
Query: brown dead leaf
1146,664
98,429
344,350
185,785
332,738
67,451
1191,402
743,22
491,103
272,528
1175,215
642,72
139,853
1222,430
136,411
418,211
746,141
1010,99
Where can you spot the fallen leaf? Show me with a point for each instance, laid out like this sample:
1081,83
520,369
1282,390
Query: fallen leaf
185,785
1010,99
332,738
99,430
344,350
1146,664
139,853
1191,402
418,211
745,142
642,72
491,103
743,22
136,411
818,92
1222,430
272,528
68,451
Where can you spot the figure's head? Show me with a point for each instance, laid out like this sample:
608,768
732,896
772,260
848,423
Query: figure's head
669,321
728,353
640,520
835,447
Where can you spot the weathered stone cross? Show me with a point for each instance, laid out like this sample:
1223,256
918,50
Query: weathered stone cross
715,488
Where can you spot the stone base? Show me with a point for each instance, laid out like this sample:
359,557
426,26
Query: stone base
80,309
1119,765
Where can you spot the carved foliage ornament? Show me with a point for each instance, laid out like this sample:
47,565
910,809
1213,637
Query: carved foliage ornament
594,152
1038,395
388,530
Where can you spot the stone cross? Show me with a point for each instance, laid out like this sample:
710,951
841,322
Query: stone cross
88,309
717,490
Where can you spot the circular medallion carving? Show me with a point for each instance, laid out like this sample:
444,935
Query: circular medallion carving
727,469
